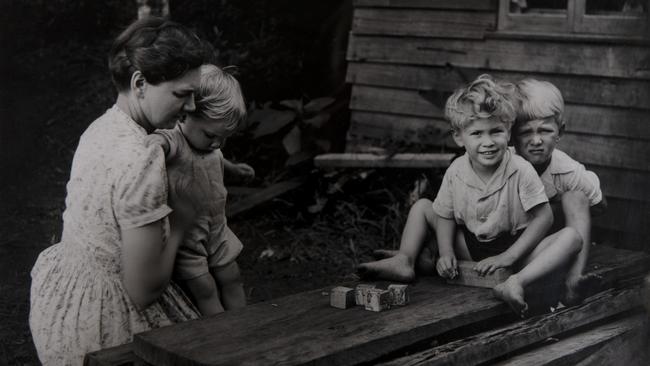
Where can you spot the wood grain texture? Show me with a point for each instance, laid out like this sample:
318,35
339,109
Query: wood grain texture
430,4
607,151
592,91
422,23
354,160
261,196
603,60
486,346
268,333
631,348
625,215
623,184
115,356
622,335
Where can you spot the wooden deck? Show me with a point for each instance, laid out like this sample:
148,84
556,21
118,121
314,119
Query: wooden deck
443,324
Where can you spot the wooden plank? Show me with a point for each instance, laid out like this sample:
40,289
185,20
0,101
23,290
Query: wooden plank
629,349
620,334
355,160
422,23
607,151
623,184
467,276
391,128
603,60
625,215
262,196
242,191
489,345
267,333
115,356
603,121
396,101
575,89
430,4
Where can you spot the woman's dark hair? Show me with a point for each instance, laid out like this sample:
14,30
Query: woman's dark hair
161,49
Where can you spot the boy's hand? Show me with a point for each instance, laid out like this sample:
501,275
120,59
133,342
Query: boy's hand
446,267
244,171
491,264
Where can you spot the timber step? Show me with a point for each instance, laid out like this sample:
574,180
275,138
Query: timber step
115,356
370,160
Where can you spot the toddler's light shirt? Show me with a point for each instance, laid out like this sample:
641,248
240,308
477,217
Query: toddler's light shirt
566,174
498,206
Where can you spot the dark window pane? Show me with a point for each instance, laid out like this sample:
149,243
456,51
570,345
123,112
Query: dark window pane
604,7
538,6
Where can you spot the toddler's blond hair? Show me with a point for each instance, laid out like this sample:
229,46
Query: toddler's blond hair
483,98
220,97
539,99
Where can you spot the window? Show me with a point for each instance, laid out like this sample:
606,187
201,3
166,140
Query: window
606,17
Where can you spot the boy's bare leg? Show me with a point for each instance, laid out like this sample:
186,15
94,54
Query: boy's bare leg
425,263
230,285
575,206
553,252
401,266
205,292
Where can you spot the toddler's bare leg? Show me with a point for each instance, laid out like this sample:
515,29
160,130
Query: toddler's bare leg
230,283
205,292
400,267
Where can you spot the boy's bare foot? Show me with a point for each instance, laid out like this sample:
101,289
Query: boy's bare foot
577,290
425,264
395,268
512,293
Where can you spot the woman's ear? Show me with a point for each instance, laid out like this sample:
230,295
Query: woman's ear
138,83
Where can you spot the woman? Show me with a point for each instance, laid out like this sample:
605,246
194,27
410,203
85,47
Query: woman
108,278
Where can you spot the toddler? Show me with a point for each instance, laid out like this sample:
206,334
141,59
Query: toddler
205,262
571,189
491,207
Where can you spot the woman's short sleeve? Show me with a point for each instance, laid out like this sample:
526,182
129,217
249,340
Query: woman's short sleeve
140,195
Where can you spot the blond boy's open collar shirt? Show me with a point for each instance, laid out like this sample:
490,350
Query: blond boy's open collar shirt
490,208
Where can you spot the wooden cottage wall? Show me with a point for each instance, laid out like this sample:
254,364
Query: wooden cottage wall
405,53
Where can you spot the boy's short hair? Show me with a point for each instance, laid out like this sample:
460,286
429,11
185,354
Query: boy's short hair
539,99
220,97
482,98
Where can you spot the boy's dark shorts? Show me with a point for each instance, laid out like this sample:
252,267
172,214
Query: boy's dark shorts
480,250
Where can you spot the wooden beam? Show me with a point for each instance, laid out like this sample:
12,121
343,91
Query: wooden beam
625,341
625,215
115,356
622,183
489,345
267,333
262,196
576,90
422,23
429,4
631,62
354,160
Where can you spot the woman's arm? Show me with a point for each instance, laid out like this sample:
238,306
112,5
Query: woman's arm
148,261
542,219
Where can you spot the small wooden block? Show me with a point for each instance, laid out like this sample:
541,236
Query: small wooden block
342,297
360,293
399,295
377,300
467,276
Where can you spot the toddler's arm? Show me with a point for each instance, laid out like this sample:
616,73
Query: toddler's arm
445,234
542,219
240,170
156,139
230,285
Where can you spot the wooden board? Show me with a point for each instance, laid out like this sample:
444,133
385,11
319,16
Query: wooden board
623,184
467,276
262,196
422,23
268,333
354,160
489,345
115,356
430,4
602,60
392,129
604,151
625,215
621,336
575,89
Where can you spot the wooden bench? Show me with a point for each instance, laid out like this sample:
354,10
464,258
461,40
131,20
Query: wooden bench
442,324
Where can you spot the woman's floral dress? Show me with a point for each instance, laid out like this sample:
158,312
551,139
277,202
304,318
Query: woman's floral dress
78,301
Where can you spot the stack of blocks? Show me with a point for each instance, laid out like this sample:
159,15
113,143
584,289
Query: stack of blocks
369,296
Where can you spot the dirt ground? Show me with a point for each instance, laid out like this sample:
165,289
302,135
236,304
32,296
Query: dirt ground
311,238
